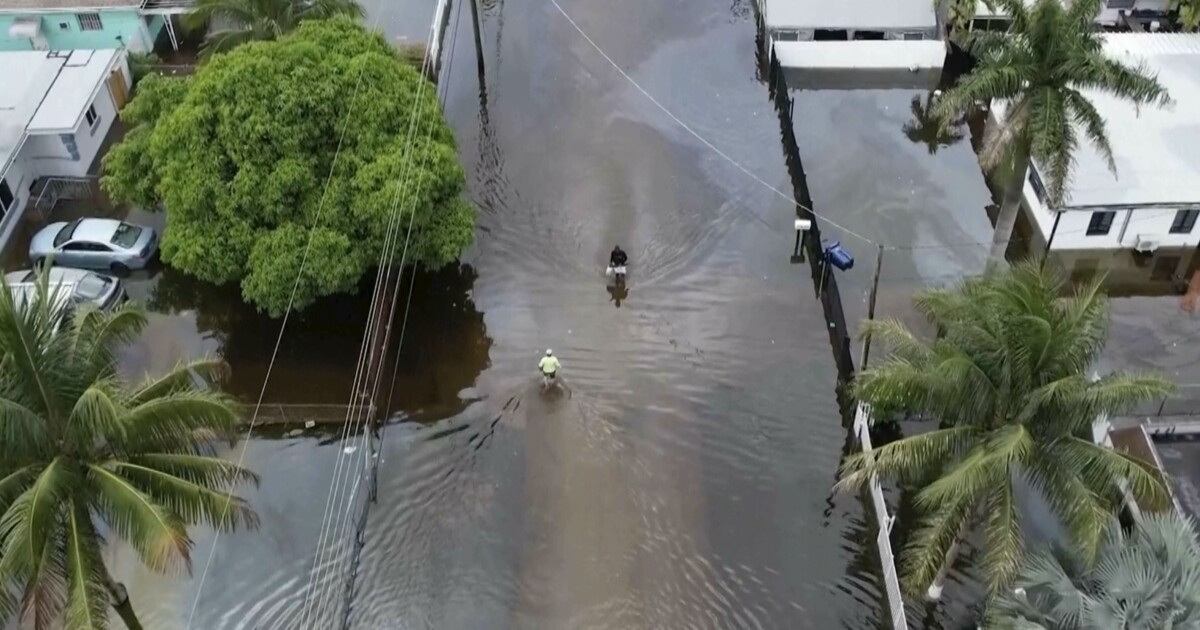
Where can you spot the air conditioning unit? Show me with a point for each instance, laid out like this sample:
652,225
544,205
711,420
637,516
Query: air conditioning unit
1145,244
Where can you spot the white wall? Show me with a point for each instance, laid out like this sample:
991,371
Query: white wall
48,154
19,177
1148,223
1111,16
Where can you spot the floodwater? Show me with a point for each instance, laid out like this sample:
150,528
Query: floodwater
681,476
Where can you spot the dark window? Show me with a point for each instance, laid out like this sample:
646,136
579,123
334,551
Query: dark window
64,26
868,35
913,37
787,36
828,35
1164,268
6,197
1101,223
86,247
1119,4
89,22
91,116
66,233
1184,221
1035,182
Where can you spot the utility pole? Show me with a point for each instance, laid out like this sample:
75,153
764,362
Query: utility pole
866,351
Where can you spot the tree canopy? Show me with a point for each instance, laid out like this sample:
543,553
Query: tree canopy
1146,578
295,149
87,455
1008,380
235,22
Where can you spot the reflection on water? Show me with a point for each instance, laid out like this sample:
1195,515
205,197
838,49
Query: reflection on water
445,343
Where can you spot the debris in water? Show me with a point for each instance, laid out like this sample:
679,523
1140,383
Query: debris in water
349,449
310,424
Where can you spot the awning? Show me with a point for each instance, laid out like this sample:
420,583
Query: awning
26,27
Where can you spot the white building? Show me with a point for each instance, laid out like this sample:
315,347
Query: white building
833,45
1138,15
55,110
1154,200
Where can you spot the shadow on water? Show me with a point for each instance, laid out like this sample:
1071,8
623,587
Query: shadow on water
445,343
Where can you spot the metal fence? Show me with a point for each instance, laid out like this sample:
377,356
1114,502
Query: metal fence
862,430
50,190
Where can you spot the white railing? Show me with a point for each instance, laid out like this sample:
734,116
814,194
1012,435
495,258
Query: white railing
51,189
862,430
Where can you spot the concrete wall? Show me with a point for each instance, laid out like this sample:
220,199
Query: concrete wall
19,177
1143,223
48,154
137,34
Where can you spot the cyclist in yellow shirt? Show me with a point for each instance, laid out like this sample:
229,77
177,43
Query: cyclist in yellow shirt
548,366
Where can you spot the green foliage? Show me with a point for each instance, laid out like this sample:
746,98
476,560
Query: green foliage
237,22
142,64
1008,380
1148,578
1041,67
79,445
243,163
1189,13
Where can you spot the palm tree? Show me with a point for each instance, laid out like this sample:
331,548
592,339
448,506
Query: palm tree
1007,380
239,21
84,454
927,129
1148,578
1040,69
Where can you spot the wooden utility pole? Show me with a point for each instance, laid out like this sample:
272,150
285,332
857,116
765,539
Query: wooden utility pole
866,351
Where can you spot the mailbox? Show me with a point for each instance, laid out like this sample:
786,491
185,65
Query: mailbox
838,256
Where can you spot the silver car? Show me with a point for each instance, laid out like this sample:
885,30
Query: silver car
77,285
95,244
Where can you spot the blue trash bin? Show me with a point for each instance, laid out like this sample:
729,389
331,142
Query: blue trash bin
838,255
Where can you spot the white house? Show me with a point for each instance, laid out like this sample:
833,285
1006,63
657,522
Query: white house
833,45
1154,200
55,110
1138,15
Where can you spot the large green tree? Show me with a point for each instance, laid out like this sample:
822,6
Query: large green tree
235,22
1040,70
1008,380
299,149
85,454
1148,578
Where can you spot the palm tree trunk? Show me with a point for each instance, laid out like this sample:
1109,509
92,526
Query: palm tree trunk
120,602
1009,208
939,581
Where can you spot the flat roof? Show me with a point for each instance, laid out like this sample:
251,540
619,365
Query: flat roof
69,97
1155,149
27,77
848,14
1180,457
851,65
43,5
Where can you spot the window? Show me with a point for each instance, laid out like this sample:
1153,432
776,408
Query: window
1101,223
80,246
92,117
912,37
66,233
64,26
1119,4
89,22
868,35
787,36
1035,182
830,35
1184,221
6,197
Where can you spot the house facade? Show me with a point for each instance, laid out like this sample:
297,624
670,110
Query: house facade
1138,15
54,115
78,25
1153,201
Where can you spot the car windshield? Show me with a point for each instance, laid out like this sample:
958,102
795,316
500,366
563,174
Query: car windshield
92,287
126,235
66,233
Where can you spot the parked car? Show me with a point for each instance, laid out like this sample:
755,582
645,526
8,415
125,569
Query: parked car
79,286
105,244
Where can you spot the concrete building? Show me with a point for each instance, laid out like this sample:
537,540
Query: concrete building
1154,201
86,24
55,111
840,45
1137,15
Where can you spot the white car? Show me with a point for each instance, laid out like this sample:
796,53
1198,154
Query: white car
78,285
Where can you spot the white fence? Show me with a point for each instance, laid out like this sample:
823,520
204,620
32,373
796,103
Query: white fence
862,430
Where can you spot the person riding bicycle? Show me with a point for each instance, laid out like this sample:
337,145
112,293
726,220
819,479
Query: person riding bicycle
548,366
617,258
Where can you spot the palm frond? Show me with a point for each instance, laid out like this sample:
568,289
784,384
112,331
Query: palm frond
87,598
907,459
206,372
158,535
171,422
925,554
1092,123
192,502
1005,543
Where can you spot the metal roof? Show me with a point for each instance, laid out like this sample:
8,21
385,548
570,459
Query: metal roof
849,14
1157,151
